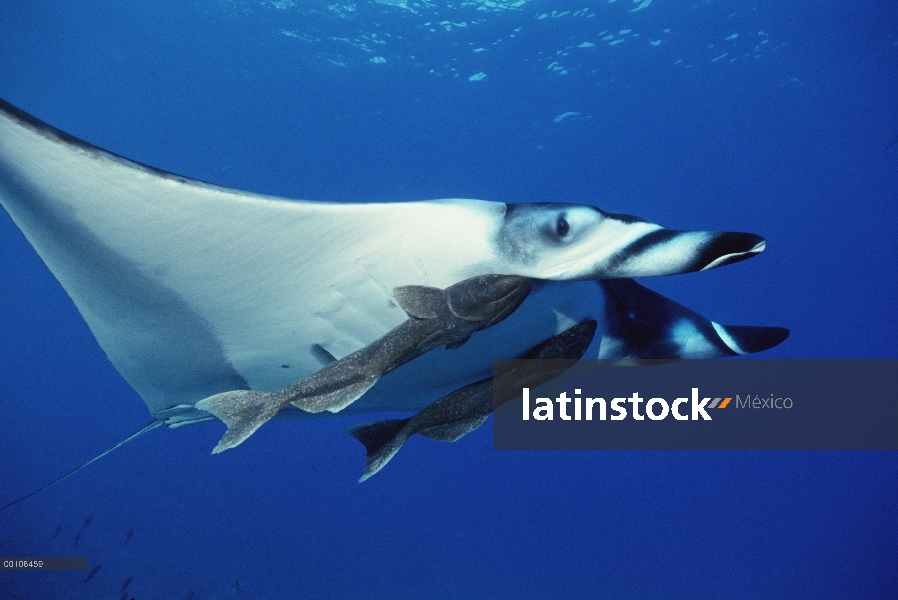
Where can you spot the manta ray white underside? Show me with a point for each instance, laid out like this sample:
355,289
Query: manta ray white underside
193,289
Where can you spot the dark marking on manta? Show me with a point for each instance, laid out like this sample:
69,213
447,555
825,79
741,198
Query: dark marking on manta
323,356
623,218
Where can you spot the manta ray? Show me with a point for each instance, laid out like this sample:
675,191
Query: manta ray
193,289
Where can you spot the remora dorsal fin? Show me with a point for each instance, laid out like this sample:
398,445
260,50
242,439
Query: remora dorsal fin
420,301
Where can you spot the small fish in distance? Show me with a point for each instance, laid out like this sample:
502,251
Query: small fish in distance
92,572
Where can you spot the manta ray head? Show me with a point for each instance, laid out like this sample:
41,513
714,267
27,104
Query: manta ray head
572,241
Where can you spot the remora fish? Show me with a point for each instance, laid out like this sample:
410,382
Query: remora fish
437,318
638,324
464,410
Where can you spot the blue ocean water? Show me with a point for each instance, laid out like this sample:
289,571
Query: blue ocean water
772,117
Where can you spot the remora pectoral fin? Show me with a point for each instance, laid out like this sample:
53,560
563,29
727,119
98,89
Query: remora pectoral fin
570,344
457,343
420,301
243,411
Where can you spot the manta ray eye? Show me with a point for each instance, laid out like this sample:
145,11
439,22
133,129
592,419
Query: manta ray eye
562,227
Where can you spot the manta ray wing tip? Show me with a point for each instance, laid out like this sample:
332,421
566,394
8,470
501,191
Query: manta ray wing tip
748,339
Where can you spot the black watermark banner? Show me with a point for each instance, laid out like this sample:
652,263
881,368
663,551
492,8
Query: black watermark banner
699,405
44,563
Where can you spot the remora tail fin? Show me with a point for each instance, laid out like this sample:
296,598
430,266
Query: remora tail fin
243,411
382,440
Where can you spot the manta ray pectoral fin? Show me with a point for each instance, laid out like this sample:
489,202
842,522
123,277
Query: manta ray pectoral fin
642,324
748,339
382,440
420,301
243,411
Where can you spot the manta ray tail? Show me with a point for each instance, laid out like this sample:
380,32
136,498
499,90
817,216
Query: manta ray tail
152,425
382,439
243,411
